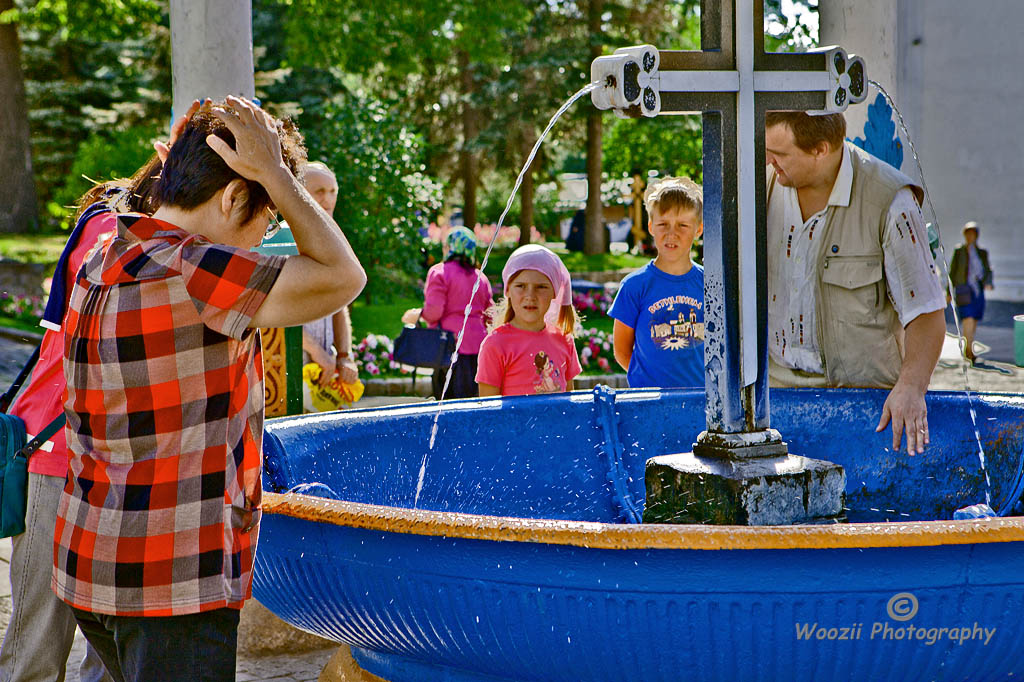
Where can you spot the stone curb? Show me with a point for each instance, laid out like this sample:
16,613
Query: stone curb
397,386
30,338
604,276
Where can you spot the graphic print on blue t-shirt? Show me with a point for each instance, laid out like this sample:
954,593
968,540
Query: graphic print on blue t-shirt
666,314
677,322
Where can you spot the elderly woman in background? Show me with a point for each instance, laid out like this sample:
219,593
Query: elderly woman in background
971,275
448,289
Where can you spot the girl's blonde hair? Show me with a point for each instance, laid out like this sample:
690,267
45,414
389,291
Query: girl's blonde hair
502,313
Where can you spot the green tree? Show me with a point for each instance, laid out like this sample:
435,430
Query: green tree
669,145
384,195
92,69
18,210
104,155
430,55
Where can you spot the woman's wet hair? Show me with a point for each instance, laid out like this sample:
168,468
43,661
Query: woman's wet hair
194,172
134,194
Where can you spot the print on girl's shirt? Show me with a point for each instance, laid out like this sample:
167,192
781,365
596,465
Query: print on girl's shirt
677,322
547,374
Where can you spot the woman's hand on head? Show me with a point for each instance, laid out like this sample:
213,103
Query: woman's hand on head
257,152
164,148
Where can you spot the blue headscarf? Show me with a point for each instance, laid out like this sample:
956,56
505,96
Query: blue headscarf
461,242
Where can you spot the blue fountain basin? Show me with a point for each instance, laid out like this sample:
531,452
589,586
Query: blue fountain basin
518,566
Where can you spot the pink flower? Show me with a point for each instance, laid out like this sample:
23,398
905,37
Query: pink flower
372,368
603,363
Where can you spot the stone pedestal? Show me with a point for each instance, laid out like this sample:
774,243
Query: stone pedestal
343,668
261,633
759,491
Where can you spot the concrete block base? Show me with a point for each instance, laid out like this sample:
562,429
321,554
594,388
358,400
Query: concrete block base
261,633
343,668
763,491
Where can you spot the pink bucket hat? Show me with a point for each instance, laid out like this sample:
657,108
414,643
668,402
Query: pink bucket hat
544,261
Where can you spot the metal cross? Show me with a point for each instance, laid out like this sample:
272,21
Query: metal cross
732,81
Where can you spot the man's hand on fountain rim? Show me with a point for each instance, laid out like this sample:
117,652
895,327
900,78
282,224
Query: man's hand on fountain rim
906,409
905,405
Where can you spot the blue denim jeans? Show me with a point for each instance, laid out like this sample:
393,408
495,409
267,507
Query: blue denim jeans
198,646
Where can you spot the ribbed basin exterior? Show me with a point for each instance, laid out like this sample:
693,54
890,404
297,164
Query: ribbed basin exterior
458,592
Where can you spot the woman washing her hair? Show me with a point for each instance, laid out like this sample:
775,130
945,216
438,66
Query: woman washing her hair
448,289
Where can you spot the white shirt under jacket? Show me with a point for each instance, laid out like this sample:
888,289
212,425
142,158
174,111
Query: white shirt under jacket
910,272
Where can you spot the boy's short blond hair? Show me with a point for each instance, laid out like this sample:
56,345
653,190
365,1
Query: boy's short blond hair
669,193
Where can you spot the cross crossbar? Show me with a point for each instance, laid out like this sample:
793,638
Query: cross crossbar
732,81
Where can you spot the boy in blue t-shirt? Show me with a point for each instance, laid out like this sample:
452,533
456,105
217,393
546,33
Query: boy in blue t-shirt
659,310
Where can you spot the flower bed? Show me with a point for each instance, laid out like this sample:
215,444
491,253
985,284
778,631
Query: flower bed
376,360
375,355
596,353
592,302
27,309
508,236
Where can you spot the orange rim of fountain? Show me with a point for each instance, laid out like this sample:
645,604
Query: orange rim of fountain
597,535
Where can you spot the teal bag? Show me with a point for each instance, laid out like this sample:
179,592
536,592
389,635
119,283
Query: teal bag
14,469
14,491
14,454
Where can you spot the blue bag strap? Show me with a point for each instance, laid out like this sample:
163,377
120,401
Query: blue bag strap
56,304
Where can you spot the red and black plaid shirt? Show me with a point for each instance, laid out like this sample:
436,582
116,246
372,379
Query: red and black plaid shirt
165,422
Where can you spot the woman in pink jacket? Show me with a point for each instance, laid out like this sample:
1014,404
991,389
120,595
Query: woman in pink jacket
448,289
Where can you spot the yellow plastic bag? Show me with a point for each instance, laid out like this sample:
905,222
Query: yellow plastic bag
335,395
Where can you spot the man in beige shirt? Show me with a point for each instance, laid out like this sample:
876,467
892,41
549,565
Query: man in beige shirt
854,297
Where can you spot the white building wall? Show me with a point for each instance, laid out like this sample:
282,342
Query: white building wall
953,68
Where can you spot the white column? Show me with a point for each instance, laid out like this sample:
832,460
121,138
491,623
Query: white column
870,30
211,50
746,187
953,69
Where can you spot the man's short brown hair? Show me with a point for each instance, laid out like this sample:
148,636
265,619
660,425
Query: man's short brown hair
669,193
809,131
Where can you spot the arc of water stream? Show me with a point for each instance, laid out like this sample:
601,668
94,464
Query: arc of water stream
476,285
949,288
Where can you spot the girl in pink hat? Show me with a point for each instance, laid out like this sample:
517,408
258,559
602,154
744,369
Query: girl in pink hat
530,346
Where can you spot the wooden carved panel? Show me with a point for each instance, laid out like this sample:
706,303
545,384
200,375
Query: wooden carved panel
275,376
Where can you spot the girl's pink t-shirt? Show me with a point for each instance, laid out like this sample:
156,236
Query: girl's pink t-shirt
522,362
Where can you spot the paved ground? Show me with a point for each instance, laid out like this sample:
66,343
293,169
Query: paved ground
996,330
997,374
